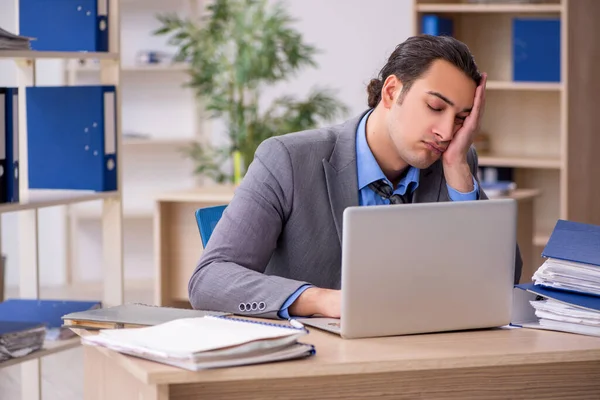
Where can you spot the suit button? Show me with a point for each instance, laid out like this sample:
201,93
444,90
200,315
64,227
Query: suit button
254,306
262,305
248,307
242,307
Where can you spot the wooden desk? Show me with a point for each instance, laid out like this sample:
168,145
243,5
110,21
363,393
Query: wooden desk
490,364
178,246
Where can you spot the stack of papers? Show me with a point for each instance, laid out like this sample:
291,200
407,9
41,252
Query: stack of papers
568,282
569,275
17,339
207,342
10,41
560,316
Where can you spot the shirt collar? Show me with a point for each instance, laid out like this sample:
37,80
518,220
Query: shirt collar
368,169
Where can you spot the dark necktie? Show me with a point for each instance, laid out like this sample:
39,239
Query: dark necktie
383,189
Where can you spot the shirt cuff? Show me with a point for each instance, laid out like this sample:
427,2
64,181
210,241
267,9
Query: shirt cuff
455,195
283,312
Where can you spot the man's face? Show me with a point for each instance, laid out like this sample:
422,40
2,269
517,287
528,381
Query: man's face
424,121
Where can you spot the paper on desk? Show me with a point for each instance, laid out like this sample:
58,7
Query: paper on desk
188,337
207,342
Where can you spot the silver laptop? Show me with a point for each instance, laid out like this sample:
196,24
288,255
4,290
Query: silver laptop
425,267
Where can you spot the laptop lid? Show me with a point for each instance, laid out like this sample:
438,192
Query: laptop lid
427,267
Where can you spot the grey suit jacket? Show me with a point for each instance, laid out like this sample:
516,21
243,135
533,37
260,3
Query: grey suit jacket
283,227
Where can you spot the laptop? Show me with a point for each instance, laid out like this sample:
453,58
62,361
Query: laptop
424,268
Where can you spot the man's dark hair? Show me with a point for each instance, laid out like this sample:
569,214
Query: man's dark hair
413,57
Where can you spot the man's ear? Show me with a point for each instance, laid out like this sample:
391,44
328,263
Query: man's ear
392,87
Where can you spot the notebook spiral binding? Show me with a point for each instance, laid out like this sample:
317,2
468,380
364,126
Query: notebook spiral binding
259,323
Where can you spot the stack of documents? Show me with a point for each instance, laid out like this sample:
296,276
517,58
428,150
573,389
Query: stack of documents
17,339
10,41
207,342
568,282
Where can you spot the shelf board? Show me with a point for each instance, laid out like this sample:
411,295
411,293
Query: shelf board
33,55
137,68
50,347
540,239
156,142
529,86
489,8
50,198
95,213
519,161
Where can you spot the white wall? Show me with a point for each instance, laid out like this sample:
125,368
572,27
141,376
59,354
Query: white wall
355,38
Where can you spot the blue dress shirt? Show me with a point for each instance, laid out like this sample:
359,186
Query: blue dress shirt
368,171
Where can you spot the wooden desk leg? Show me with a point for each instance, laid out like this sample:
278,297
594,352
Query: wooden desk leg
525,228
106,380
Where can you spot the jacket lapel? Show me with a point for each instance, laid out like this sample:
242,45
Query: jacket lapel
340,172
430,185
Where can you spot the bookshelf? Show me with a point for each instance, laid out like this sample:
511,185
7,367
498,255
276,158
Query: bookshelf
31,201
160,118
544,131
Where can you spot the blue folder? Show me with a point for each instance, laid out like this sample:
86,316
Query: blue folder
581,300
575,242
536,49
72,137
9,145
436,26
3,130
47,312
65,25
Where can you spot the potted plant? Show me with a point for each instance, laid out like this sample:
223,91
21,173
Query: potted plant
236,50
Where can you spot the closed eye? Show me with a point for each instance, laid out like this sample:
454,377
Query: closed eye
434,109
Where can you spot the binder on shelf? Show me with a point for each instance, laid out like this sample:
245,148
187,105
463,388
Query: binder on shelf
80,25
9,145
71,133
3,170
437,26
536,49
47,312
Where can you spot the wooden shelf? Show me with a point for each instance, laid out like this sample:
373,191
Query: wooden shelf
156,142
489,8
51,198
165,68
541,239
529,86
519,161
50,347
33,55
95,213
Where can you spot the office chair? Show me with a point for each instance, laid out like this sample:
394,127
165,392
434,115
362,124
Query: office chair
207,218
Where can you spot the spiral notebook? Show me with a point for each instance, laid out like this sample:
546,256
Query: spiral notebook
207,342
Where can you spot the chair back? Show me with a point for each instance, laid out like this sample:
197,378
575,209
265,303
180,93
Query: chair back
207,218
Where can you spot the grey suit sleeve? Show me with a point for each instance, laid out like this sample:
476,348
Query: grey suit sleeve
472,159
230,274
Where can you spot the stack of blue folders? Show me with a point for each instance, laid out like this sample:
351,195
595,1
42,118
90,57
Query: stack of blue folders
567,284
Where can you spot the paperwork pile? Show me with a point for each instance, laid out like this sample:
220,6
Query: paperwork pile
10,41
568,282
18,339
207,342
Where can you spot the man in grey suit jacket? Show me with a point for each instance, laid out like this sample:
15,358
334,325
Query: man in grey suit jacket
276,252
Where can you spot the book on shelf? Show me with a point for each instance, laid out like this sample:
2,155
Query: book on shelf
207,342
566,287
